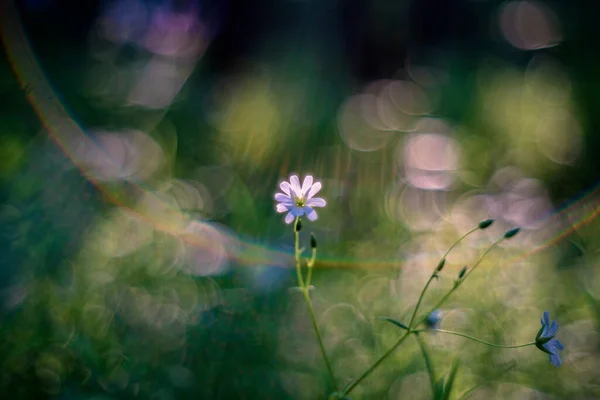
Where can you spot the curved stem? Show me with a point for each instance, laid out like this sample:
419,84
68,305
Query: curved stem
485,253
319,337
433,275
475,339
375,364
459,282
412,319
304,289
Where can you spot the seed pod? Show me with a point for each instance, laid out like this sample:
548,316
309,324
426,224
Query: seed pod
441,264
313,241
298,226
512,232
486,223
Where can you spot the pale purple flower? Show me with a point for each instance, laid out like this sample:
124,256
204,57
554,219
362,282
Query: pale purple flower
545,339
298,200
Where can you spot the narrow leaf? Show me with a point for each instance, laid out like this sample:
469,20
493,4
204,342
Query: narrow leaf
393,321
450,379
438,393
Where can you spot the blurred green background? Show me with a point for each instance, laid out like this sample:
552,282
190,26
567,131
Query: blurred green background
141,144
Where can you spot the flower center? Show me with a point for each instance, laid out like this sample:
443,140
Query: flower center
299,201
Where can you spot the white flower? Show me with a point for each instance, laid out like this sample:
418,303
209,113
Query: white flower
298,200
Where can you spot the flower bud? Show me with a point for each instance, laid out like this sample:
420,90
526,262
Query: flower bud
440,265
512,232
433,319
313,241
486,223
298,226
462,272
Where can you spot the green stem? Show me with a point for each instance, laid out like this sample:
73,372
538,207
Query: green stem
375,364
475,339
319,337
434,274
485,253
412,319
304,288
459,282
297,254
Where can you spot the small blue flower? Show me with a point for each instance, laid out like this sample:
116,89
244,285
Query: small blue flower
433,319
545,340
298,200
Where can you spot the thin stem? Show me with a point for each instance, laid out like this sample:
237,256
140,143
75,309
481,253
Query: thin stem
475,339
485,253
459,282
308,276
434,274
375,364
297,254
304,288
428,362
319,337
412,319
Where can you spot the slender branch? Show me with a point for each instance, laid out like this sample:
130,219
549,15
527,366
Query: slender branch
485,253
412,319
304,288
475,339
459,282
297,254
319,337
375,364
434,274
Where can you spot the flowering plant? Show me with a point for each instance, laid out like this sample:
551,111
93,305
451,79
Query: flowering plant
298,200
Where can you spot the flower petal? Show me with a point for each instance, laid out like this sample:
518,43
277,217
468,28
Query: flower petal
314,190
546,320
316,202
310,213
289,218
555,359
548,346
282,198
297,211
285,187
306,185
544,334
281,207
552,330
295,185
557,344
